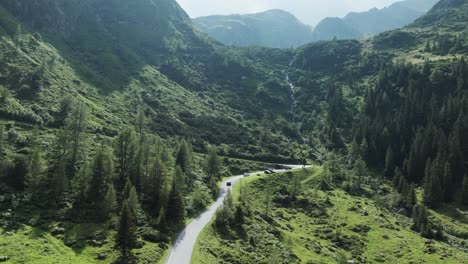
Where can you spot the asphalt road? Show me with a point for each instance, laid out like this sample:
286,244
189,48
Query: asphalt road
182,249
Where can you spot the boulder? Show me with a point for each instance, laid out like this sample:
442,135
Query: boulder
101,256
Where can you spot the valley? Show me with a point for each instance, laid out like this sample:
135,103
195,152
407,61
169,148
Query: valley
121,123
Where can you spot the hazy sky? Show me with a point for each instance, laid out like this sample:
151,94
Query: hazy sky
308,11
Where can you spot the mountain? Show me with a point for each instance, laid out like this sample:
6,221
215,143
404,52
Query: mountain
279,29
358,24
273,28
129,50
119,119
332,27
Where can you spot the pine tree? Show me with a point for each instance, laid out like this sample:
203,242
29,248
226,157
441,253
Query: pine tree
175,211
133,203
364,147
184,156
126,239
2,140
80,183
60,180
36,166
427,183
162,223
110,201
213,164
154,186
76,124
125,148
389,163
397,178
448,183
180,180
411,199
465,190
101,172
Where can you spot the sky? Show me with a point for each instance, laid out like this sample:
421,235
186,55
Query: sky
308,11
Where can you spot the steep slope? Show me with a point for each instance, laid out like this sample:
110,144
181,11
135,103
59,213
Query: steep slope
115,47
273,28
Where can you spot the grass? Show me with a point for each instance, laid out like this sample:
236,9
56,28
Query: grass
355,226
32,245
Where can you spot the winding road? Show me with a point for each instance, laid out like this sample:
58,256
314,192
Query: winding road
182,249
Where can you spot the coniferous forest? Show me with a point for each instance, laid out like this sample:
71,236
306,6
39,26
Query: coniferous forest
121,123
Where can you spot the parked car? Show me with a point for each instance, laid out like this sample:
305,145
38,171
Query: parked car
229,183
247,174
280,167
269,171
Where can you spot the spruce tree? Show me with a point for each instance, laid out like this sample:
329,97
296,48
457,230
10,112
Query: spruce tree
80,183
448,183
101,172
184,156
125,149
2,140
465,190
411,198
110,201
389,163
154,185
162,223
76,124
213,164
126,239
175,211
36,166
133,202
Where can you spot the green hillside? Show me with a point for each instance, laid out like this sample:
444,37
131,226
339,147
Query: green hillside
119,119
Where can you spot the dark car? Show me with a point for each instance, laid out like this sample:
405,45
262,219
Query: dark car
269,171
280,167
229,183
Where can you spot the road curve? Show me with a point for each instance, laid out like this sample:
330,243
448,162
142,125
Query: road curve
182,249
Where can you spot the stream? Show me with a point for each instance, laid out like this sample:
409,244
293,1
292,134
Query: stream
291,96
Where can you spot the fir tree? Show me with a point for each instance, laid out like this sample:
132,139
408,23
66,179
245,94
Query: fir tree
125,148
36,166
126,239
154,186
162,223
465,190
101,172
2,140
184,156
175,211
76,124
80,183
389,163
110,202
213,164
448,183
133,203
411,199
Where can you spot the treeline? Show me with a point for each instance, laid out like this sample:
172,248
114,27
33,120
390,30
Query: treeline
136,175
415,126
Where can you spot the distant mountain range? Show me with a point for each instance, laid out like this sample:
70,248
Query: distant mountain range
280,29
273,28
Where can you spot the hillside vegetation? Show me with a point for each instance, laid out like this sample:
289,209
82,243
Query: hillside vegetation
118,120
